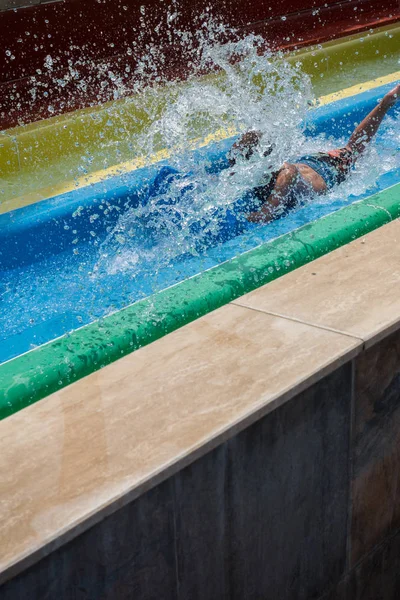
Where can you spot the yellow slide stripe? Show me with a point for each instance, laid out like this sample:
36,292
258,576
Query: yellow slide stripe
359,88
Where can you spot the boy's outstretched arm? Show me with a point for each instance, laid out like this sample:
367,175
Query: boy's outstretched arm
366,130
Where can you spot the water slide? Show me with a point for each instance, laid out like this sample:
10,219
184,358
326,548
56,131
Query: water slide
122,222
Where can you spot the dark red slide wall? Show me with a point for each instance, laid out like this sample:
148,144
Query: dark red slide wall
92,43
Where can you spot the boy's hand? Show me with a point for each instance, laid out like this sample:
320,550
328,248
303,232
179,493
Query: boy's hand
393,96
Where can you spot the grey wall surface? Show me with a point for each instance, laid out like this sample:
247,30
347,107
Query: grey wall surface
303,504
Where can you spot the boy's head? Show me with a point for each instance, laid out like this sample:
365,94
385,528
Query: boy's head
246,145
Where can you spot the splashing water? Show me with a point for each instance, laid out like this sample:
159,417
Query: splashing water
253,89
250,88
382,156
237,85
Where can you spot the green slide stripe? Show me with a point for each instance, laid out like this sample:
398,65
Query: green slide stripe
36,374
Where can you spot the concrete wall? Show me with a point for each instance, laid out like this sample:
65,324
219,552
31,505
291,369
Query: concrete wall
302,504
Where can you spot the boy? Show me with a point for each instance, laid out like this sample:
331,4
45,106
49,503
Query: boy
314,173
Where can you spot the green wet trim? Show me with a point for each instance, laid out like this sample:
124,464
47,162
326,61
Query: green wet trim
50,367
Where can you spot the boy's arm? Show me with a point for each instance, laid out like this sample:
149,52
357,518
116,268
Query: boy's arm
366,130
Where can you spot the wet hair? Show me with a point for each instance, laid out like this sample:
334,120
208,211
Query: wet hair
246,145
